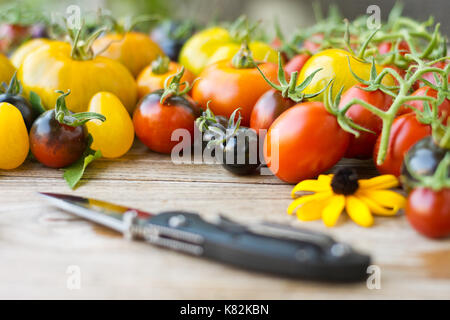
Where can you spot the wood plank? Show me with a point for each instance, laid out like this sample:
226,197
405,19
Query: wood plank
39,242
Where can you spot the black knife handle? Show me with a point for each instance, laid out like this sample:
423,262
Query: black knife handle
298,253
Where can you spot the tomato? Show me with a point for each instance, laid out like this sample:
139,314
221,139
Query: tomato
268,107
14,145
152,78
172,35
57,139
296,63
215,44
362,147
229,87
12,35
13,96
405,132
303,142
443,108
428,211
154,122
6,69
430,75
52,67
115,136
25,49
134,50
386,47
313,43
335,65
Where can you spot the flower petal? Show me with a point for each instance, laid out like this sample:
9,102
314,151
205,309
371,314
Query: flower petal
385,181
311,210
358,211
304,199
376,208
333,210
312,186
386,198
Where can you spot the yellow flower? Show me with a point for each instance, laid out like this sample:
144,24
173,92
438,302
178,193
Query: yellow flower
360,198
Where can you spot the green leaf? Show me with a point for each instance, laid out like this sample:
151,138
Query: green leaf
74,172
36,103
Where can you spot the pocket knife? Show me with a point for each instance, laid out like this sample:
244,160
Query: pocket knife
265,247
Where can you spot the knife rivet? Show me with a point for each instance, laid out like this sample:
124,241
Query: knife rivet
177,221
129,221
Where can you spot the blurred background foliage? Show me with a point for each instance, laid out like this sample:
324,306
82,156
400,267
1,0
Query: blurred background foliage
290,13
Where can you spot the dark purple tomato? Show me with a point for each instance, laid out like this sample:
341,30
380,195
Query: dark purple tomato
23,105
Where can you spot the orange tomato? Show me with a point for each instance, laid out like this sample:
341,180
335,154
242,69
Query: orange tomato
229,88
150,80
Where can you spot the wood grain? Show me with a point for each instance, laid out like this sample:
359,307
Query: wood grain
39,242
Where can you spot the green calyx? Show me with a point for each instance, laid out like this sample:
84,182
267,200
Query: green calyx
14,88
82,48
172,88
160,65
243,59
128,23
64,116
242,30
290,89
438,181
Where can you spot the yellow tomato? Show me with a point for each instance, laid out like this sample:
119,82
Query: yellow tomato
6,69
52,67
25,49
335,65
215,44
134,50
115,136
14,143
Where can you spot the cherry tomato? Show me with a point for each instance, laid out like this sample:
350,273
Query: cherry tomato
430,75
428,211
313,44
386,47
296,63
54,144
268,107
444,107
362,147
229,87
405,132
303,142
154,121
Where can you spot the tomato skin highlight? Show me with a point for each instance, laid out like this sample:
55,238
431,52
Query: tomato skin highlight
154,122
14,143
310,141
268,107
405,132
57,145
362,147
428,211
229,88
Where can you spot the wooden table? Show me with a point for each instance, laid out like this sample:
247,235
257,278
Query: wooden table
39,243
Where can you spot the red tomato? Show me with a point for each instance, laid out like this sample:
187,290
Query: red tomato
430,75
405,132
303,142
229,88
296,63
362,147
386,47
428,211
154,122
313,44
444,107
267,109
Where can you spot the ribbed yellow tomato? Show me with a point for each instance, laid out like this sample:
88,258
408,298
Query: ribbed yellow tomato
52,67
215,44
134,50
115,136
335,65
6,69
14,143
25,49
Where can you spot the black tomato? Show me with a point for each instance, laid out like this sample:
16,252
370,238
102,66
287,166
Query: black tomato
171,36
422,159
54,144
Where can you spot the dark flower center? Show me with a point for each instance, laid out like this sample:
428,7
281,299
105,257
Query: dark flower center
345,181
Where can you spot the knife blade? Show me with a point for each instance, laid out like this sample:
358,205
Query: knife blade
265,247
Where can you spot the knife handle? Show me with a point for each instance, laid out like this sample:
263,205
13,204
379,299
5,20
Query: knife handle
268,248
